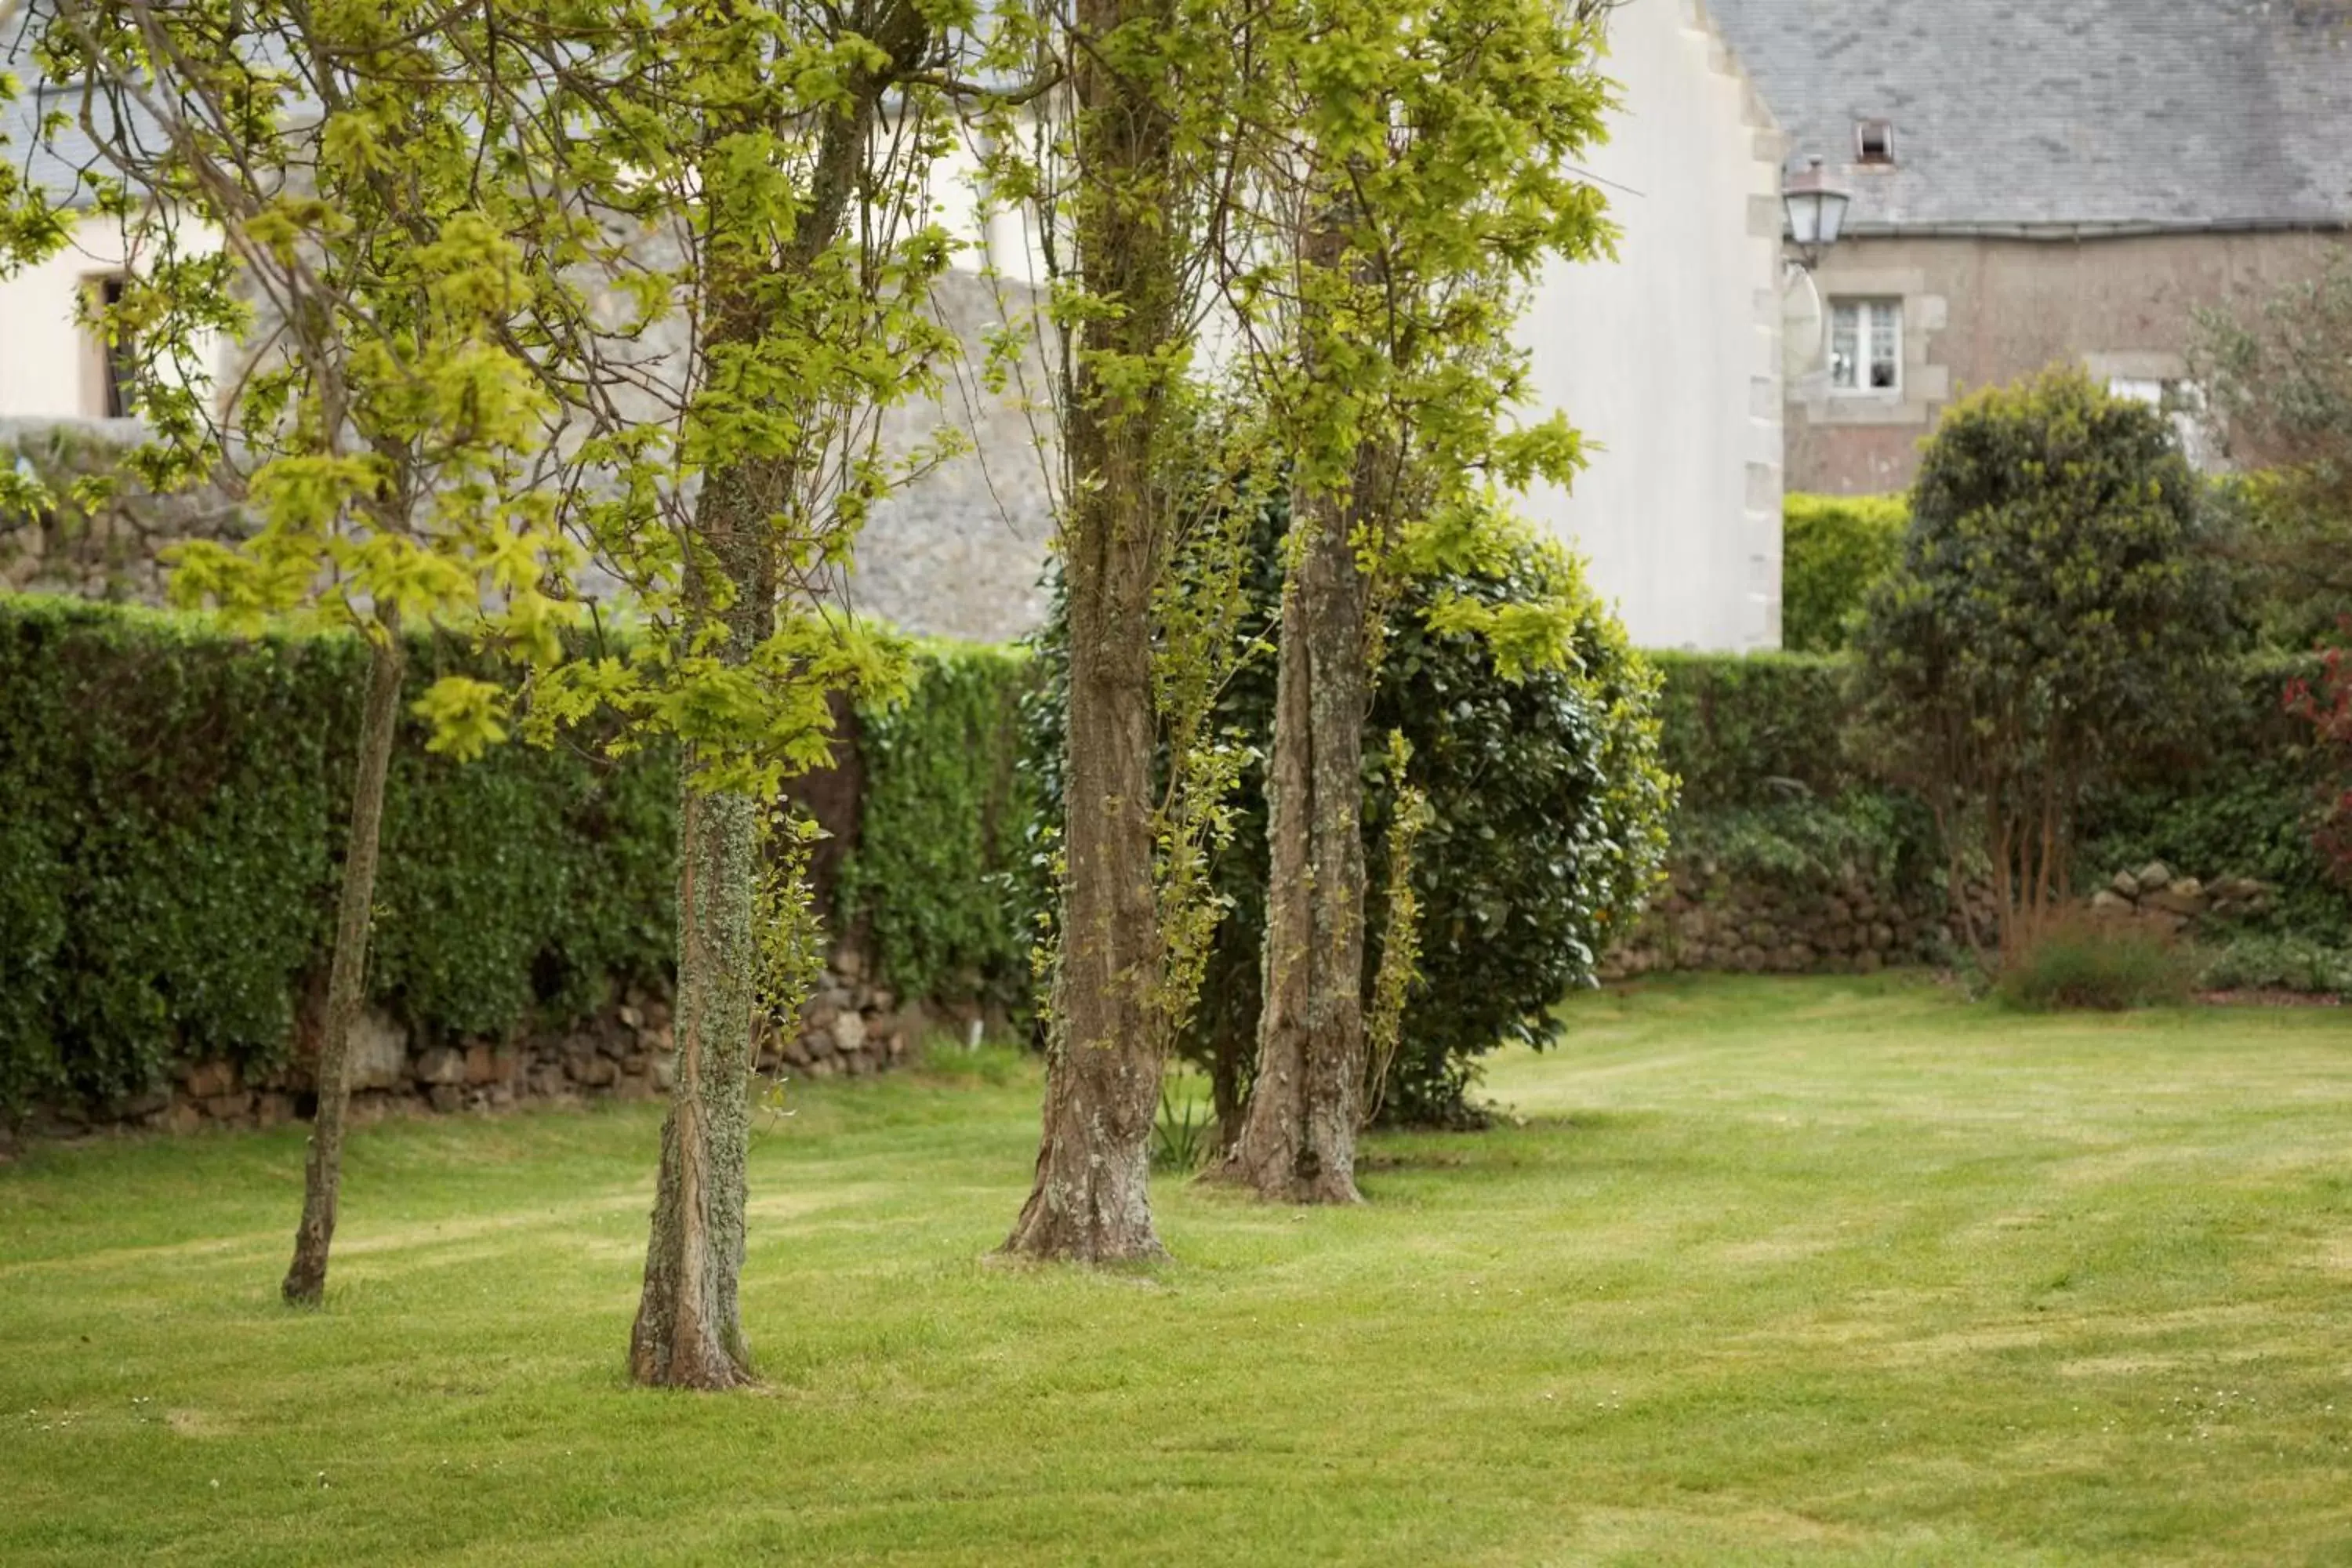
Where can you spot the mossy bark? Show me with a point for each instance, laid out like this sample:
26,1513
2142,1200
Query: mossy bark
1091,1201
689,1332
1298,1143
323,1171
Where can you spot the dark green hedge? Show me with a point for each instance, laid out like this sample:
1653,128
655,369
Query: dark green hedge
945,830
172,801
1747,730
171,806
1773,787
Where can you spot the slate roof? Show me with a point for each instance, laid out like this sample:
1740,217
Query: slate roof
2065,115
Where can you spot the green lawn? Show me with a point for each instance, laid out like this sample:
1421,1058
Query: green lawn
1817,1271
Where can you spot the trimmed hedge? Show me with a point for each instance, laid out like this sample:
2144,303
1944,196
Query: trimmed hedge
933,882
1742,730
1772,789
1833,548
175,801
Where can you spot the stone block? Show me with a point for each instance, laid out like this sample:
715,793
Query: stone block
379,1051
182,1118
483,1066
2152,876
2124,886
849,1034
273,1110
209,1079
2106,901
440,1065
445,1097
593,1072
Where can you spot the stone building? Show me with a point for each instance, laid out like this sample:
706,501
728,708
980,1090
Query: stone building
2041,183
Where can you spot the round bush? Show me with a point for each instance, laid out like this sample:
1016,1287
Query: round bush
1548,807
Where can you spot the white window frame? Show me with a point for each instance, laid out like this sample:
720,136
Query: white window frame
1865,343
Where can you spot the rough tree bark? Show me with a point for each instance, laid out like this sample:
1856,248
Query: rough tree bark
323,1171
1091,1202
1298,1139
690,1330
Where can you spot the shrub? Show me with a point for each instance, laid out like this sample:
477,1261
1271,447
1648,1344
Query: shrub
2055,617
2278,962
944,829
1833,549
2072,960
1548,799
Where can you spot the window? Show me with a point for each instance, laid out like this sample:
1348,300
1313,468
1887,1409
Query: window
2182,403
1874,140
1866,345
113,367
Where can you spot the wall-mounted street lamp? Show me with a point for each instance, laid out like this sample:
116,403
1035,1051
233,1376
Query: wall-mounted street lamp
1816,207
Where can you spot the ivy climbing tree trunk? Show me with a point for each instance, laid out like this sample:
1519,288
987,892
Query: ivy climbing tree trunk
1298,1140
747,529
323,1171
1091,1202
690,1329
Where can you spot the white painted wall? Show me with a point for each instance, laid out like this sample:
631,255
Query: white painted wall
48,360
1668,359
45,354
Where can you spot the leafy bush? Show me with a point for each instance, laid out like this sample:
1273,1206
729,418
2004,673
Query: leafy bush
1549,805
2275,962
2055,617
1833,550
175,801
1749,730
944,830
2075,961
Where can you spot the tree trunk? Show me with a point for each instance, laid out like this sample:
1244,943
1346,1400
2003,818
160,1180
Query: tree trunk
1091,1202
690,1329
1298,1141
322,1172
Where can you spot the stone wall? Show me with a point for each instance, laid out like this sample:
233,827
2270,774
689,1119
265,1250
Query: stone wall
851,1028
1850,924
959,551
107,551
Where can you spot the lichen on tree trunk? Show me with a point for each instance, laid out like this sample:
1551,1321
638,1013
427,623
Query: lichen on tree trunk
1298,1143
322,1172
689,1332
1091,1201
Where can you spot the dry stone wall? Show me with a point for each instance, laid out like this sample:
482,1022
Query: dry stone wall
851,1028
1850,924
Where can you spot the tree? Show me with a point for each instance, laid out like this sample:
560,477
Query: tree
2277,377
2054,618
714,278
1126,184
306,184
1417,171
730,472
2278,402
1542,800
